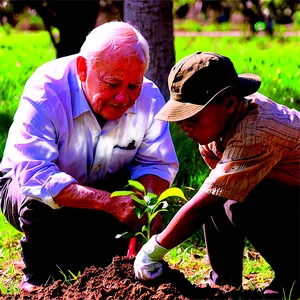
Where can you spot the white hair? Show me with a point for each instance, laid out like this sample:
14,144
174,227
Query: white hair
114,39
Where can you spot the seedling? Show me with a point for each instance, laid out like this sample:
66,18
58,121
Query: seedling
149,204
69,278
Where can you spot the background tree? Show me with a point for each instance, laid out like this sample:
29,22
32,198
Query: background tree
73,19
154,18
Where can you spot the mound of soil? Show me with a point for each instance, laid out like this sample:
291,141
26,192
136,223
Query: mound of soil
117,281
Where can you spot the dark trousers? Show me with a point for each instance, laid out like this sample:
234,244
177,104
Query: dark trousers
60,239
269,219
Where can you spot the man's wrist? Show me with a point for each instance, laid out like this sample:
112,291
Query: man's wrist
154,250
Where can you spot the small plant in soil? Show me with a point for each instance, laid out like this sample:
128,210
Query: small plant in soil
149,204
69,278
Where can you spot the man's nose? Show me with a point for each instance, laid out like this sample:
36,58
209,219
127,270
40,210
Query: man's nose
122,96
185,126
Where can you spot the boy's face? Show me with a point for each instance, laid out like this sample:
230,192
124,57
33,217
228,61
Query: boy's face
114,86
207,125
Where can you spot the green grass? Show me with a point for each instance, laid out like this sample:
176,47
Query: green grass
10,271
275,60
191,25
20,54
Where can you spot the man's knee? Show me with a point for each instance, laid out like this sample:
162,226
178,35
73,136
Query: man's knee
234,211
35,215
9,201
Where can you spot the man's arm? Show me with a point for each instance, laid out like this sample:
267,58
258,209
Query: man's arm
189,219
78,196
153,183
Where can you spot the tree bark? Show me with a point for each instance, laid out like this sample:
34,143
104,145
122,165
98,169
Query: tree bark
154,18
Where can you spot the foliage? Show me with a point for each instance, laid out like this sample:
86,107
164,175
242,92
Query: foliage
188,25
178,3
149,204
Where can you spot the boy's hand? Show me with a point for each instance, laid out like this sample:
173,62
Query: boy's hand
146,264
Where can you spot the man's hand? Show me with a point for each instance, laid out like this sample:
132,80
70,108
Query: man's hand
146,264
122,208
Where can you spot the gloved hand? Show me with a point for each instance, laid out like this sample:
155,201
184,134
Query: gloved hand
146,264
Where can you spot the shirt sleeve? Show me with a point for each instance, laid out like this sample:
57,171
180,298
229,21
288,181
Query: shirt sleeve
246,160
32,144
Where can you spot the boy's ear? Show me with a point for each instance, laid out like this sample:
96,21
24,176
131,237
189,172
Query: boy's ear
81,68
231,103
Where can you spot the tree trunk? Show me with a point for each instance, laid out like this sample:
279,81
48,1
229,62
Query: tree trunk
155,20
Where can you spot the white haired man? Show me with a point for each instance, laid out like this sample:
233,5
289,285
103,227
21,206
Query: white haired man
84,126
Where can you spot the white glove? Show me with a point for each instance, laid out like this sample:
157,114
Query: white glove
146,264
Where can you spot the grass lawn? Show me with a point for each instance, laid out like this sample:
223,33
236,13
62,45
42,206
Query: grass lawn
276,60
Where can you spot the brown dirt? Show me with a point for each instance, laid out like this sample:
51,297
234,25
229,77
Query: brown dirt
117,281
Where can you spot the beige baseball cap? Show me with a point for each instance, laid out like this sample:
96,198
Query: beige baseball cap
199,78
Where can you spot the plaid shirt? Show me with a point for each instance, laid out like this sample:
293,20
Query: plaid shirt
263,142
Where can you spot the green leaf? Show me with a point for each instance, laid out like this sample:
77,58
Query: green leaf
148,209
172,192
138,211
140,201
137,185
72,274
144,228
121,193
154,215
151,195
153,201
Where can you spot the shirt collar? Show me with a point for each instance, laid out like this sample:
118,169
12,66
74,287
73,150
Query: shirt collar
242,110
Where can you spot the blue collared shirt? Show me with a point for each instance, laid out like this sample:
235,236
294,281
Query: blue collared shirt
56,140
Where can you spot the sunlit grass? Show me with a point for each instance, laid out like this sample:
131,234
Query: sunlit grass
191,25
20,54
10,265
275,60
194,263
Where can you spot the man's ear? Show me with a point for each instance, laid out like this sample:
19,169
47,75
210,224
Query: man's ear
231,103
81,68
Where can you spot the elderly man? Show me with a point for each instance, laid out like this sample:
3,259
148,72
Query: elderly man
252,147
84,126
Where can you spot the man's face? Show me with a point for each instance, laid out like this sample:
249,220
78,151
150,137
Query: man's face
207,125
114,85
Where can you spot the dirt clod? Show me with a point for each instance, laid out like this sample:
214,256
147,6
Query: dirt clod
117,281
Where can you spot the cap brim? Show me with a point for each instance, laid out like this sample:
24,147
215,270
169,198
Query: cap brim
248,84
174,111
